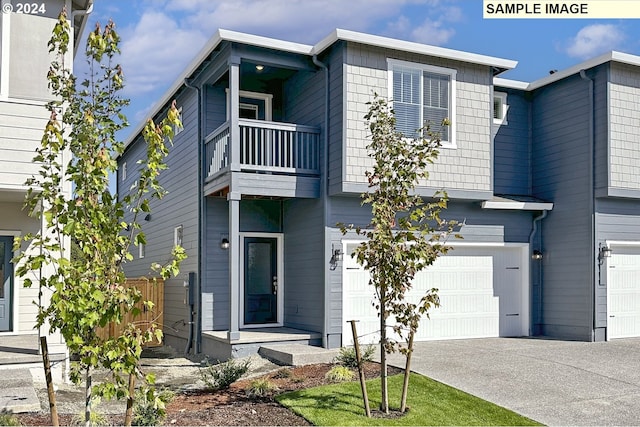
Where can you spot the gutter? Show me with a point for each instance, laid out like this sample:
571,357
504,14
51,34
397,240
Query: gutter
592,198
537,219
324,183
196,323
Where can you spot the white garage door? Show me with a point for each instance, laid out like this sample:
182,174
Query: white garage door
483,293
623,292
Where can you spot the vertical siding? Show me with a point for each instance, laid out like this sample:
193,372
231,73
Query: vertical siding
467,167
624,119
512,161
303,263
178,207
600,76
561,174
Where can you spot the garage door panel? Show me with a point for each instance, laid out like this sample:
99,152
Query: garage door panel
477,286
623,292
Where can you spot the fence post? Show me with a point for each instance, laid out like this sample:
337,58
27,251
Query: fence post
363,383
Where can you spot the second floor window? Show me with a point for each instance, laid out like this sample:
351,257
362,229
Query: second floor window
422,94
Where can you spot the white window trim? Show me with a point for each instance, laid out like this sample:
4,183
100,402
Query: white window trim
123,174
141,250
391,63
266,97
178,236
505,107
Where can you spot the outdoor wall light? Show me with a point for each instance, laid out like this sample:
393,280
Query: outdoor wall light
147,217
259,67
537,255
336,257
224,243
605,252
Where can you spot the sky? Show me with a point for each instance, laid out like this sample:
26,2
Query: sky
161,37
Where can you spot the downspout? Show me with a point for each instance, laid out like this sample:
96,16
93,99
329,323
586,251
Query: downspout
196,322
537,219
324,184
592,198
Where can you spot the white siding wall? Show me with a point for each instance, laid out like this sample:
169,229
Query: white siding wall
624,139
21,128
467,167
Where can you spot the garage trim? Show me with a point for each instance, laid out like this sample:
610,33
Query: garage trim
523,249
606,266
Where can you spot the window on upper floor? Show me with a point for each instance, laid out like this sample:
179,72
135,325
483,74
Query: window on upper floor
500,108
123,173
141,250
177,235
423,94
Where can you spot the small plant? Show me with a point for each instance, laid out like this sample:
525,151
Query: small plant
347,356
282,374
340,374
96,417
7,418
261,388
298,380
222,375
150,408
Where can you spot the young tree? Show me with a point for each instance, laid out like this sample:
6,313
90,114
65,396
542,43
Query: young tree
405,232
88,290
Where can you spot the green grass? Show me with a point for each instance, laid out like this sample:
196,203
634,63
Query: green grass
429,402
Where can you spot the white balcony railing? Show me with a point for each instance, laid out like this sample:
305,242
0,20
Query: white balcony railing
265,146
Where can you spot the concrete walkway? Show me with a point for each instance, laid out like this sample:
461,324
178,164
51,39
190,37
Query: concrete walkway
553,382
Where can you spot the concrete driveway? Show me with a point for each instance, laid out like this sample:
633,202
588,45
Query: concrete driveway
553,382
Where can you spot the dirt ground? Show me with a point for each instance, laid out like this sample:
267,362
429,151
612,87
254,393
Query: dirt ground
194,406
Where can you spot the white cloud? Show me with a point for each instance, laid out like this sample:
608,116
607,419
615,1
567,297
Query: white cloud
594,40
155,51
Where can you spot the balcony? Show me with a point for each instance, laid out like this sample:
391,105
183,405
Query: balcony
266,148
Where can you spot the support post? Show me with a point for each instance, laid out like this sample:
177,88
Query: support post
53,407
363,381
407,371
234,266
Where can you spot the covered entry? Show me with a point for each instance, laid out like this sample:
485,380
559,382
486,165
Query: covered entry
483,292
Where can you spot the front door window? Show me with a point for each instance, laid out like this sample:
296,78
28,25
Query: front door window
260,280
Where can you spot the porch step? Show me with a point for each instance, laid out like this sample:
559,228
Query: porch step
297,354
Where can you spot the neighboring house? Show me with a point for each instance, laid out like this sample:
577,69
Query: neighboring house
24,65
272,157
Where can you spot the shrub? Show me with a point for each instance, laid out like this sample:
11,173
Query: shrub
340,374
283,374
261,388
149,409
222,375
96,418
7,418
347,356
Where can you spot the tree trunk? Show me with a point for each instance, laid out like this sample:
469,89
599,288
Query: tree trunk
384,398
53,407
132,388
87,398
407,371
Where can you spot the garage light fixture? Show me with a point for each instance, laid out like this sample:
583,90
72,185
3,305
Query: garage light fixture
336,256
537,255
605,252
224,243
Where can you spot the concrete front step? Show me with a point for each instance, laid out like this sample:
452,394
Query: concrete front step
297,354
17,393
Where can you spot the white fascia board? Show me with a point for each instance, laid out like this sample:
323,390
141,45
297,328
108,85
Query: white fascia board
389,43
522,206
510,84
220,36
612,56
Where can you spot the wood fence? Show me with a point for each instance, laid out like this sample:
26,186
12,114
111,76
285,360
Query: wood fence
151,291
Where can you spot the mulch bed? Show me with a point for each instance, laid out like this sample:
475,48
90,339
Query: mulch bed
233,406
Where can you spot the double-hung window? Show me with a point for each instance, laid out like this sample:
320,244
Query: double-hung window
423,94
